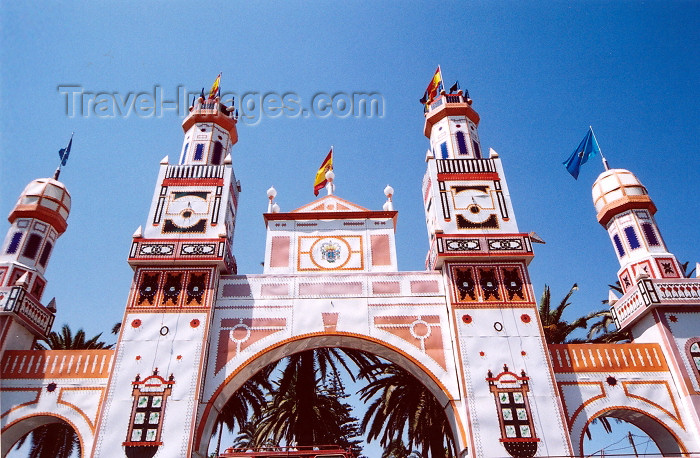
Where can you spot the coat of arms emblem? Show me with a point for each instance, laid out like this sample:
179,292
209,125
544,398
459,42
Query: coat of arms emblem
330,251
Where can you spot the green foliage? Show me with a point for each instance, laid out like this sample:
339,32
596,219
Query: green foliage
556,329
401,406
65,340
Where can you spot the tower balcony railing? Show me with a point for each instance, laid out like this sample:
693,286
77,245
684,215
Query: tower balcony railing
15,301
465,166
652,292
212,106
448,98
195,171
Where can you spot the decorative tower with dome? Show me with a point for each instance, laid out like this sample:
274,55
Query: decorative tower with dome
37,221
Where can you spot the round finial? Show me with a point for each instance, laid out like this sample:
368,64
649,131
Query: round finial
330,176
388,191
275,208
271,193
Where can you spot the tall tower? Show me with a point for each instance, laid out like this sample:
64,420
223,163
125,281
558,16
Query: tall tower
659,304
37,221
177,259
465,194
511,402
626,211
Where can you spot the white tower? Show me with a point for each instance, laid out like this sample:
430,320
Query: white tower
626,211
177,259
38,219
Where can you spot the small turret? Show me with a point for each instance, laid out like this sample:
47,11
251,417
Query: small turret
625,209
210,132
37,220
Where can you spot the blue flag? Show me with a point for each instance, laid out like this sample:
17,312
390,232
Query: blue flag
65,152
587,148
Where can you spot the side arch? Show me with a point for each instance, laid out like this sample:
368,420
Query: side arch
24,424
664,437
287,347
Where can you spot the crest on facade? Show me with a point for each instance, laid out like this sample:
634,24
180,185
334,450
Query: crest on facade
330,251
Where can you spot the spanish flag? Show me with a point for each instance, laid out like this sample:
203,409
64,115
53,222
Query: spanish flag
320,181
434,87
215,87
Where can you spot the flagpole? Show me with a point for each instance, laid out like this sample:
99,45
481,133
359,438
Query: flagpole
605,161
57,173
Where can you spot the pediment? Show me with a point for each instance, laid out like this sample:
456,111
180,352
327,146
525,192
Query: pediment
328,204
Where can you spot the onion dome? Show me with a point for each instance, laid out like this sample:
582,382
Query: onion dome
619,190
44,199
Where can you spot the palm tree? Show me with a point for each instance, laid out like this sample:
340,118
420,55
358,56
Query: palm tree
67,341
304,405
556,330
403,407
397,449
59,440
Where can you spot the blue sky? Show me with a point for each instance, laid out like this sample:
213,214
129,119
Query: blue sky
539,73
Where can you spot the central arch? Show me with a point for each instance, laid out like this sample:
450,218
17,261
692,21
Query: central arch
666,440
290,346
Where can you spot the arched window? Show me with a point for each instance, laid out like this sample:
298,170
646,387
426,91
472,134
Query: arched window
216,154
45,254
618,245
694,351
650,234
32,246
14,243
184,154
461,143
632,237
477,150
199,152
443,150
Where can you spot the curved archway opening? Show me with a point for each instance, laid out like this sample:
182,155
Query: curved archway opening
49,435
631,429
206,430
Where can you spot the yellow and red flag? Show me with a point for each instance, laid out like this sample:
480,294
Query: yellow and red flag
434,87
320,182
215,87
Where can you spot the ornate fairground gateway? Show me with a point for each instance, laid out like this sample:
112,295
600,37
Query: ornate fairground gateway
195,329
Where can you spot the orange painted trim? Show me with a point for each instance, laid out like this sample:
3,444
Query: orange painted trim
60,400
676,417
324,216
467,176
24,404
192,182
41,213
214,116
449,109
572,419
643,202
681,445
50,414
42,364
566,358
210,403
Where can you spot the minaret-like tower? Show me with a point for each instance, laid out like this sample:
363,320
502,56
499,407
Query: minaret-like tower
626,211
177,257
465,194
659,304
475,242
37,221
